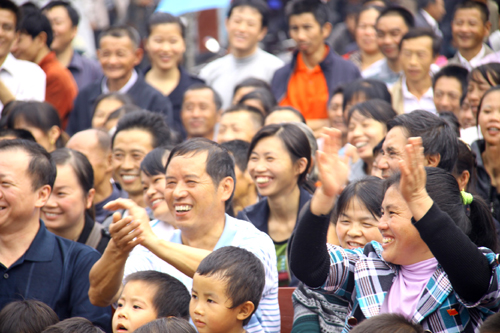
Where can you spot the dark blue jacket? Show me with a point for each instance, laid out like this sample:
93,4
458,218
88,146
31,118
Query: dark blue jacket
258,214
337,71
143,95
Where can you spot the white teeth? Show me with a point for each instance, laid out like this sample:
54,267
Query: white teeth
361,144
354,244
128,177
262,180
156,201
51,214
387,240
184,208
493,129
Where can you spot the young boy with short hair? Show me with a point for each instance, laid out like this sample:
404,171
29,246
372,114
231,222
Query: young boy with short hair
227,288
148,295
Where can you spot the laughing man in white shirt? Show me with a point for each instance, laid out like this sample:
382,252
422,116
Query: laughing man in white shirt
419,49
21,80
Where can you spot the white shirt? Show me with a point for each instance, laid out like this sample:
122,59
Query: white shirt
471,134
238,233
474,62
432,22
411,103
125,88
25,80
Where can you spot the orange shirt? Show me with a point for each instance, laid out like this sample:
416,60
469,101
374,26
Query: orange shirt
61,89
307,90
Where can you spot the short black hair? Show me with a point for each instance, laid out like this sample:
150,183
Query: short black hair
72,13
41,168
239,150
251,82
369,88
169,325
423,32
457,72
33,23
259,5
152,164
122,30
41,115
171,298
402,12
452,121
12,7
290,109
376,109
471,4
26,316
490,72
491,325
320,10
158,18
265,97
366,8
200,86
219,164
387,323
437,136
294,139
255,114
114,95
74,325
242,271
148,121
17,133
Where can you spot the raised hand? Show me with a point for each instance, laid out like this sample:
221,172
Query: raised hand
124,233
333,172
414,178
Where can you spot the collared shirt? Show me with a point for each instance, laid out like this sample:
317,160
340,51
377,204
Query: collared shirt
25,80
411,103
125,88
432,22
54,270
307,90
474,62
236,233
84,70
384,73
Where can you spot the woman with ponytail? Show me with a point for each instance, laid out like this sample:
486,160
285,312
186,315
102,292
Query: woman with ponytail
69,212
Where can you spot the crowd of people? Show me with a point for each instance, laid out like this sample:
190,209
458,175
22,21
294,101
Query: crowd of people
363,172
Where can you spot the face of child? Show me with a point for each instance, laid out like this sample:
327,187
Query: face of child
135,307
210,307
356,226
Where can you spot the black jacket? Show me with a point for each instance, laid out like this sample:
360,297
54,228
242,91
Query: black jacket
143,95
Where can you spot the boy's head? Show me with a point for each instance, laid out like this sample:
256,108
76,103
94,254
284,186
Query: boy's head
227,288
26,316
387,323
309,25
149,295
35,35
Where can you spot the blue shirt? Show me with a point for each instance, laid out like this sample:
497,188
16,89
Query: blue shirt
84,70
54,270
238,233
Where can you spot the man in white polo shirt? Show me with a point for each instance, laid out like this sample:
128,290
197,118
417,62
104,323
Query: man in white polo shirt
21,80
413,91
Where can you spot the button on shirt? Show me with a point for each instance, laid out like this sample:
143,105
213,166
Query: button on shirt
55,271
236,233
411,103
25,80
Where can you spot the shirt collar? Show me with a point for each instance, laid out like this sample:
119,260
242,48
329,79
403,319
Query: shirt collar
42,247
76,62
474,61
407,94
8,64
125,88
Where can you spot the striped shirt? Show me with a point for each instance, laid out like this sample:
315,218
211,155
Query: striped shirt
236,233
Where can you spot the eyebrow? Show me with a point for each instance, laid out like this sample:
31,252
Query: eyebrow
363,218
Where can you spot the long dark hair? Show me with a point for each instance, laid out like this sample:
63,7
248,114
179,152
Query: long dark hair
82,168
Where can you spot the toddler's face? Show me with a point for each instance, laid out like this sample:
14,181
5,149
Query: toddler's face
210,306
135,307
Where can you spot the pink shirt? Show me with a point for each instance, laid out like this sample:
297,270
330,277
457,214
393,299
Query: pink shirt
407,288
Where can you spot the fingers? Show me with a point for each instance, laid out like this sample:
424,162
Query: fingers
124,231
120,204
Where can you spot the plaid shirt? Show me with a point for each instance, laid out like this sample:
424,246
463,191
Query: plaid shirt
363,278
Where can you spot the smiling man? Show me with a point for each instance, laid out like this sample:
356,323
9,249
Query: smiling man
418,50
200,183
469,27
246,26
118,54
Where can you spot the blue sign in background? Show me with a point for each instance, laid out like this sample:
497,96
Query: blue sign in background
177,7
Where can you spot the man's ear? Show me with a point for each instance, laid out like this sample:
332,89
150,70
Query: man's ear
41,39
43,194
326,30
432,160
109,162
245,310
262,33
487,27
226,186
139,53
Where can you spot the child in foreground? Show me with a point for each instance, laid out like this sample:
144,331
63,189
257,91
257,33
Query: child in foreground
149,295
227,288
